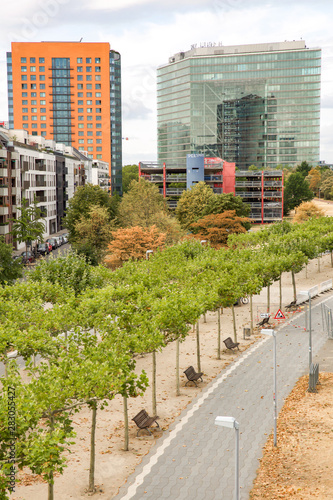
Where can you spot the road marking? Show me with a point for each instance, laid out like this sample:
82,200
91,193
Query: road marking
154,458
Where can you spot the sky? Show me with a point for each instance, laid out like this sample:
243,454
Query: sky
148,32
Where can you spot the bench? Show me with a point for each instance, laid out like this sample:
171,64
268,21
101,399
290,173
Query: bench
230,344
192,375
291,305
264,321
144,421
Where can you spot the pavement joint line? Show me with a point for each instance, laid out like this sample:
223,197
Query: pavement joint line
154,458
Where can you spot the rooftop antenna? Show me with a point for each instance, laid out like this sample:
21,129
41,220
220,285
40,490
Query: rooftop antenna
81,39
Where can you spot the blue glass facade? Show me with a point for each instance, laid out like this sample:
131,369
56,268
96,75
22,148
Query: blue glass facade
116,133
61,100
252,105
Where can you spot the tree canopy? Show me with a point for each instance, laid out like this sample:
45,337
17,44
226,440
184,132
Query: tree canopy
306,211
130,173
10,269
296,190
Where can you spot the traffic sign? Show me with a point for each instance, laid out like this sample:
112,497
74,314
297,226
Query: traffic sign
279,315
264,315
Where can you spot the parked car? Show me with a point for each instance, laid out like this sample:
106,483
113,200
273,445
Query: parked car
43,249
53,242
65,237
59,240
27,257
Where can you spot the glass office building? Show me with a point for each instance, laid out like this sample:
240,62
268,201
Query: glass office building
249,104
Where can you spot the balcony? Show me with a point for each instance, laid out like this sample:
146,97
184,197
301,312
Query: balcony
41,199
176,178
250,194
272,194
213,178
25,166
40,183
248,184
3,172
273,183
4,228
156,178
218,190
174,191
4,210
26,184
3,190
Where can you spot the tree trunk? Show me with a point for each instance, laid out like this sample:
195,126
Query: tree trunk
294,284
331,258
125,423
50,486
218,333
177,368
318,263
205,319
234,323
251,313
306,271
268,297
280,290
153,387
198,347
91,487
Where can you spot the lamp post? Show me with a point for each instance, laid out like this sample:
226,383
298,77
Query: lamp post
306,292
272,333
232,423
148,253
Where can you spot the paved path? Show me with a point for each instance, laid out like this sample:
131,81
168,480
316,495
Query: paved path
195,459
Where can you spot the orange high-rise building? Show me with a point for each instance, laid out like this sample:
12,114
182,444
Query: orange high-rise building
69,92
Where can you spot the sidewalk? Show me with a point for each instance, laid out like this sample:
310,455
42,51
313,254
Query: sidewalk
195,459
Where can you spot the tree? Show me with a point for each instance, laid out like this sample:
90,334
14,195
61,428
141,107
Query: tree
253,168
216,228
304,168
326,184
80,205
142,205
130,173
314,179
10,269
132,244
29,226
226,202
296,190
193,203
306,211
92,234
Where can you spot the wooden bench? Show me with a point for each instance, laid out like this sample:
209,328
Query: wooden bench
264,321
230,344
144,421
192,375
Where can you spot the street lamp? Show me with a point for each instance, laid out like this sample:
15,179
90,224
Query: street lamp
148,253
272,333
232,423
306,292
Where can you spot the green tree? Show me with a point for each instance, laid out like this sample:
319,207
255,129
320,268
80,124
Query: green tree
80,205
29,226
92,234
253,168
226,202
296,190
193,203
10,269
142,205
326,184
304,168
130,173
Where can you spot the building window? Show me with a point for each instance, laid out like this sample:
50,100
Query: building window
42,94
80,78
98,110
80,118
81,141
89,118
41,86
89,133
88,78
81,148
43,134
88,60
25,101
98,86
25,118
89,125
79,69
79,60
25,125
32,69
80,86
43,110
33,94
89,110
99,148
81,133
25,94
90,148
23,59
99,157
34,110
98,141
24,86
41,69
34,118
80,103
80,94
89,86
33,86
98,94
98,102
98,125
97,69
24,78
98,78
88,69
89,94
98,117
80,110
81,125
43,125
41,60
90,141
33,78
42,78
42,102
34,125
89,102
97,60
32,60
33,102
43,118
98,134
23,69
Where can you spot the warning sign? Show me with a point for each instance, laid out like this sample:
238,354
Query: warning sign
279,315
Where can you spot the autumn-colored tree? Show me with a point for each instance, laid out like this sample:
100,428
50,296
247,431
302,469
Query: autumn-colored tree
306,211
314,178
326,184
132,244
216,228
193,202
